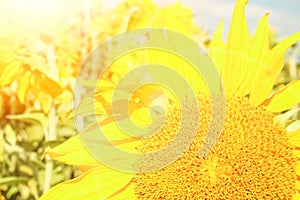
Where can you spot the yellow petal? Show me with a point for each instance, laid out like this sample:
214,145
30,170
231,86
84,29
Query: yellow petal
46,84
180,65
168,19
296,153
298,185
9,73
69,146
273,65
114,134
297,196
127,193
286,98
75,158
294,138
94,184
141,117
237,49
217,47
71,152
85,168
127,18
148,93
258,52
74,151
23,86
45,101
297,169
91,105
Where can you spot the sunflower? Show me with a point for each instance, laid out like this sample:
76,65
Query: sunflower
254,158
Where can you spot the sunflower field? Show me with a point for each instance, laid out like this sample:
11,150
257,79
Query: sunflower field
45,45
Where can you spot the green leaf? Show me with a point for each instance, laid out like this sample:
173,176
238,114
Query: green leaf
24,191
53,143
36,162
11,192
10,134
1,146
12,180
32,118
35,133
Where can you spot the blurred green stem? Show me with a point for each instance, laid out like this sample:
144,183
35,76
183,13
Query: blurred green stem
50,136
51,133
2,150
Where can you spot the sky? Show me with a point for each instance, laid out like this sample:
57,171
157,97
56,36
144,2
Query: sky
284,17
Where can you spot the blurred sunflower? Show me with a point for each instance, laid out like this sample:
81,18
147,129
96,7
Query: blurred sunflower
254,158
135,14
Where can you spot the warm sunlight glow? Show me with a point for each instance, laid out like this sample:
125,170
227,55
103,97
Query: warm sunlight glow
19,16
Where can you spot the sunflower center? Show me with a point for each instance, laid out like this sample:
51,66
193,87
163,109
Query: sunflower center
251,159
